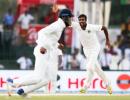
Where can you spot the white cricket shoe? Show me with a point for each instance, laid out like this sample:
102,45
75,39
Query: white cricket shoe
9,84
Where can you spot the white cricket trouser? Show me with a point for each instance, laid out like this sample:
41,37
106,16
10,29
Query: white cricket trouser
41,75
52,71
93,66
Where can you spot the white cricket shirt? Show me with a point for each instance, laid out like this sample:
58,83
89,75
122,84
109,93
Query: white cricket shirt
25,20
49,36
88,37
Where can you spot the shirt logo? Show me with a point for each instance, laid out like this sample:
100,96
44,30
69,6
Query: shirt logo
88,31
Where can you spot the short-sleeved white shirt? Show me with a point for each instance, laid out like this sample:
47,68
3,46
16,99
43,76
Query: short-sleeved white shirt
25,63
25,20
88,37
49,36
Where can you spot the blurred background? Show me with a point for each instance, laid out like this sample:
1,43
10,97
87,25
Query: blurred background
18,34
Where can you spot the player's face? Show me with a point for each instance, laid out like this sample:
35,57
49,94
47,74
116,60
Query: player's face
82,22
67,20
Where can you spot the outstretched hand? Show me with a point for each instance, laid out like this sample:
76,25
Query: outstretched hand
43,50
108,44
61,46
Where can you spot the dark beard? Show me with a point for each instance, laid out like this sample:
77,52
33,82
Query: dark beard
83,27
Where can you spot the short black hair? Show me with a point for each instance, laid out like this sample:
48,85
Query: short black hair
83,15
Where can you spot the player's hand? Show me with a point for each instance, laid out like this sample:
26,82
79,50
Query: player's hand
43,50
108,44
61,46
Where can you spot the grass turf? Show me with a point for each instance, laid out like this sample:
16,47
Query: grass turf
96,97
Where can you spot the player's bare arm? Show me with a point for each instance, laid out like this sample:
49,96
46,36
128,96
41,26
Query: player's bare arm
107,36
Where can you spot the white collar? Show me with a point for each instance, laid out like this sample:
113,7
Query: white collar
61,22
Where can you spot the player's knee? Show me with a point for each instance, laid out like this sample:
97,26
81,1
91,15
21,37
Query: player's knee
97,69
90,68
20,92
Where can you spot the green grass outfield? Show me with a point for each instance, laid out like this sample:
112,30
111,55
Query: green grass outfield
70,97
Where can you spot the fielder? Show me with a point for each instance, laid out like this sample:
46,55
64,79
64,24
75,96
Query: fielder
91,48
45,53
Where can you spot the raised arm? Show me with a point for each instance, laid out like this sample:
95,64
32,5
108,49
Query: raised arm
107,36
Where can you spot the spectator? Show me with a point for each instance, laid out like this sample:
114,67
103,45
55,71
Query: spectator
8,20
77,60
126,37
2,66
0,37
116,55
1,41
24,62
127,53
125,62
24,20
118,41
74,62
65,61
52,15
8,23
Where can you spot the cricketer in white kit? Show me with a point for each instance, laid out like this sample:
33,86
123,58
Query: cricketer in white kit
46,55
91,48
